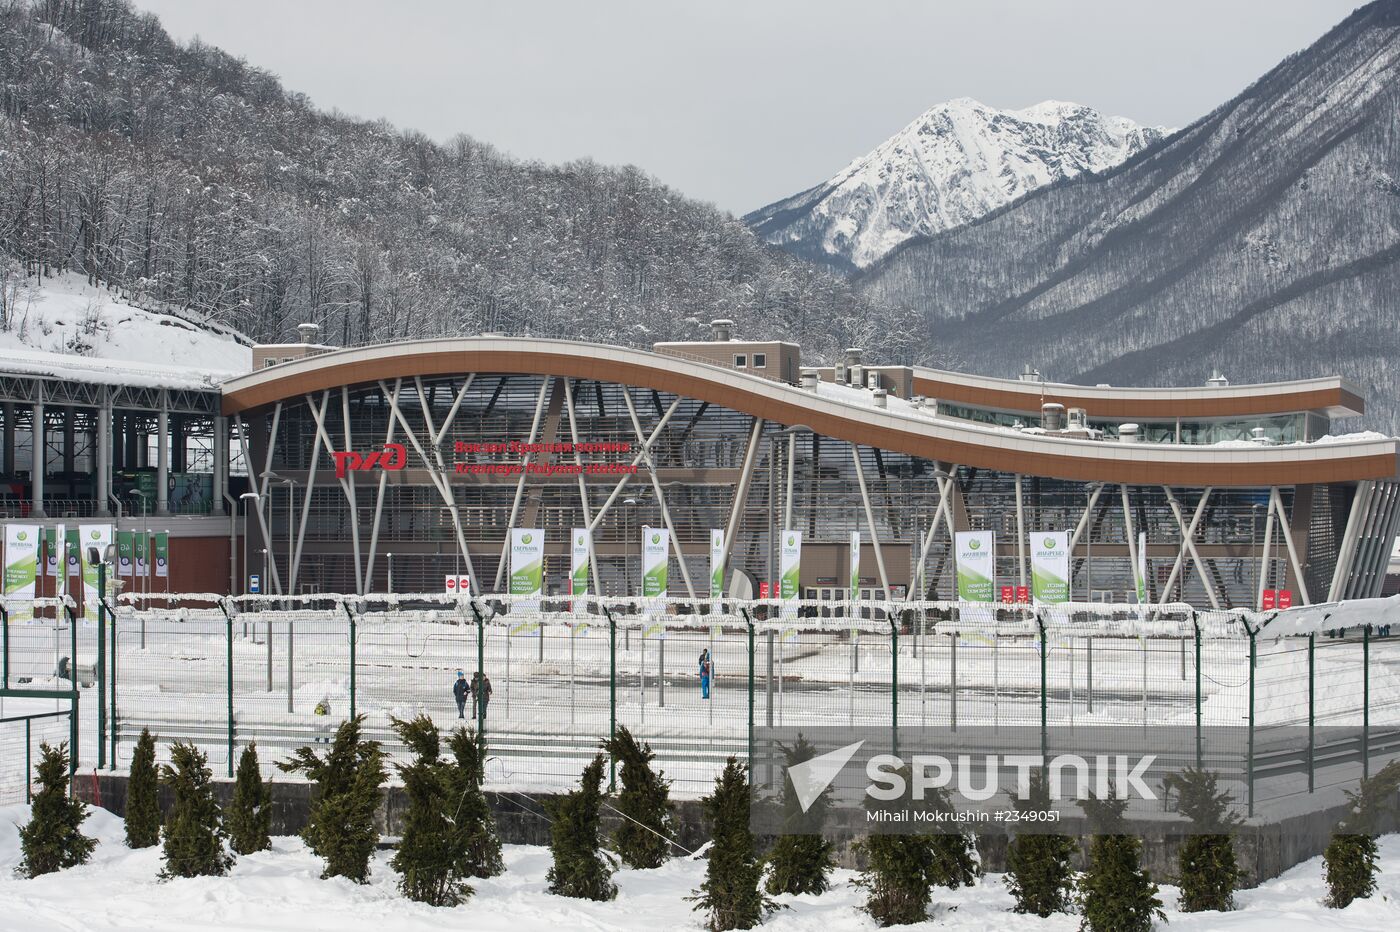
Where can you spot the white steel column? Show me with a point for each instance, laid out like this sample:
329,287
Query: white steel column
350,492
163,456
1187,534
741,493
660,497
259,484
582,488
520,485
379,497
636,461
1085,518
1020,534
870,520
1131,533
1188,540
1346,553
791,468
1276,503
1264,561
103,460
38,444
306,499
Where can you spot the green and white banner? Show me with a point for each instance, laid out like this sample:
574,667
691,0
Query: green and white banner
1140,571
656,557
126,544
976,565
162,553
142,542
58,557
21,564
790,565
527,561
716,563
72,552
855,565
578,560
92,535
1049,566
51,548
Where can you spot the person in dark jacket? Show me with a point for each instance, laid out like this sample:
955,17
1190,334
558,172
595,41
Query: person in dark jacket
706,669
461,689
481,688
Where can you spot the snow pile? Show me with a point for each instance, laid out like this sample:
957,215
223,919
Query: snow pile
69,329
281,890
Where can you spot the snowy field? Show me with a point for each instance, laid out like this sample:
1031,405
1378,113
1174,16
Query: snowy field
280,891
552,700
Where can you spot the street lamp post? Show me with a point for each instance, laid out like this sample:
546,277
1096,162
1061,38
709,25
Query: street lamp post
390,582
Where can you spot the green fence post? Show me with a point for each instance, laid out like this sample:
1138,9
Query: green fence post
612,694
28,764
752,654
112,705
228,665
1366,702
1249,764
480,674
894,686
102,667
1196,624
5,649
351,615
73,736
1044,691
1312,708
73,672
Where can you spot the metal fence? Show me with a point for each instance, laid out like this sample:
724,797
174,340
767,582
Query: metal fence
223,672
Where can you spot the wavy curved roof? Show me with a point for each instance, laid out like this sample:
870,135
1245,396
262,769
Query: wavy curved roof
840,415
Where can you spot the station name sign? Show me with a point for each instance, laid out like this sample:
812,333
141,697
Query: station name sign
538,467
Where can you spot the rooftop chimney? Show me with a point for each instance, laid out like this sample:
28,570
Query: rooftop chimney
722,329
1217,380
853,355
309,333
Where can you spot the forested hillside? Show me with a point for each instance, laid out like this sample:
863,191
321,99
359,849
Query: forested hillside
1263,241
183,177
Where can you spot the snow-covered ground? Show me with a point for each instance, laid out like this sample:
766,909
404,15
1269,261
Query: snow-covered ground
281,890
65,327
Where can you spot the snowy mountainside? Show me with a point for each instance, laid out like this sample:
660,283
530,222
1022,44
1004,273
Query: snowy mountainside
952,165
64,324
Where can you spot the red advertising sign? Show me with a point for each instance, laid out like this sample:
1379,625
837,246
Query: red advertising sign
449,584
1285,598
1267,605
456,584
763,590
393,457
1023,594
1008,594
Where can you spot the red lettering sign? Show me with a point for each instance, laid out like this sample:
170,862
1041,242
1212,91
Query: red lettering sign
1285,598
763,590
1267,605
393,457
1008,594
1023,594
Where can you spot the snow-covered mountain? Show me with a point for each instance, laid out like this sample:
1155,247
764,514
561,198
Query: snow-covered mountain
949,167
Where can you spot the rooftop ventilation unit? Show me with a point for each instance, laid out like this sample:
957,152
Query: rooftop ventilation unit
1128,433
1029,374
1052,416
722,330
1078,419
853,355
309,333
881,398
809,380
1257,435
1217,380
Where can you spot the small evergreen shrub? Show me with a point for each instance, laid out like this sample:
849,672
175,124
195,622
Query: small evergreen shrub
1207,870
801,858
249,816
1039,872
142,795
1350,859
641,840
953,855
194,832
729,894
1115,893
481,848
340,827
580,869
429,856
53,839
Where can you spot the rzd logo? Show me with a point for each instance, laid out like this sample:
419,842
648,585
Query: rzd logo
393,457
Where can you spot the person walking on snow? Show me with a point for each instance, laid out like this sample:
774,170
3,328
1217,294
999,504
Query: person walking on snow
482,690
461,689
705,669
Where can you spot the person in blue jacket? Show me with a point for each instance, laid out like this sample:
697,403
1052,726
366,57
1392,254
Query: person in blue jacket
461,689
705,670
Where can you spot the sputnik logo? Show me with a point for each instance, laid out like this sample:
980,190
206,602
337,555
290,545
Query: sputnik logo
811,777
393,457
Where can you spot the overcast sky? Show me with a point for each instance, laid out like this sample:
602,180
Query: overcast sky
741,102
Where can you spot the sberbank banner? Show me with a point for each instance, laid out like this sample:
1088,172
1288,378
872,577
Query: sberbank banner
716,563
1049,566
92,535
526,561
656,554
976,565
161,548
855,565
74,539
578,561
790,564
21,564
